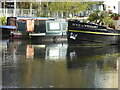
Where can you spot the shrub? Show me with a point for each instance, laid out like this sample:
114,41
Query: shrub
3,20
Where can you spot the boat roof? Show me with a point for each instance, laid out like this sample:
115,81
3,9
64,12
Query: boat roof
37,18
7,27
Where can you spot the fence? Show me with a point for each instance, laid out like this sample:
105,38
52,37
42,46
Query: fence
28,12
18,12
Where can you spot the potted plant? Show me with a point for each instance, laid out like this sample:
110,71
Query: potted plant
112,26
115,16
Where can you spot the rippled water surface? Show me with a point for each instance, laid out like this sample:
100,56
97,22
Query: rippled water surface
58,65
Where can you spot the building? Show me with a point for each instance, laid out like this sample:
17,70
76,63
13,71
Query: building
92,8
11,8
119,7
113,6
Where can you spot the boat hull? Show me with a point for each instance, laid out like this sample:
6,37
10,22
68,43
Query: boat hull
5,34
6,31
52,38
19,35
89,38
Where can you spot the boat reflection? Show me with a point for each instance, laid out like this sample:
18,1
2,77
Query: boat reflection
41,51
50,51
76,56
82,55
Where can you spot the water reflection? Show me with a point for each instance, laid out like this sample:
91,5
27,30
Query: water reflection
97,64
58,65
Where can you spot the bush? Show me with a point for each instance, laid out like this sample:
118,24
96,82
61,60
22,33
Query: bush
101,18
3,20
114,15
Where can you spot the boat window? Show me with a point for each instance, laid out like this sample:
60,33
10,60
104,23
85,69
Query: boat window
76,25
54,26
84,25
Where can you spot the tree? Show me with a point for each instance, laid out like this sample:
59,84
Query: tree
94,17
101,17
108,21
24,5
27,5
48,8
66,7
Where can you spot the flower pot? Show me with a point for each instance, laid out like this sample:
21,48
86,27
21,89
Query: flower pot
116,18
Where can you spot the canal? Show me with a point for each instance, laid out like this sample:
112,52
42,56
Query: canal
26,64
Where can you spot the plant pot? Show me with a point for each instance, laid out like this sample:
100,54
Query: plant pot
113,27
116,18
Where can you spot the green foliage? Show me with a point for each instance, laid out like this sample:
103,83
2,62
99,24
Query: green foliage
94,17
108,21
42,14
3,20
24,5
101,17
67,7
27,5
72,7
36,5
114,14
49,8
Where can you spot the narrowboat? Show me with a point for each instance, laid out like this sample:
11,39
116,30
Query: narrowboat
6,31
37,27
87,33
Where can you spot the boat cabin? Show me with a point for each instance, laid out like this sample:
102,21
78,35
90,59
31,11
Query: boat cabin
50,27
24,24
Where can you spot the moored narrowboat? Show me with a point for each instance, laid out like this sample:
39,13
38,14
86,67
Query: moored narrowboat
38,27
24,26
86,33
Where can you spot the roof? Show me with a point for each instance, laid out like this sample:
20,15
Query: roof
7,27
37,18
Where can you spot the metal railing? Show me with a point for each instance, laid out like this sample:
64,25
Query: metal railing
18,12
28,12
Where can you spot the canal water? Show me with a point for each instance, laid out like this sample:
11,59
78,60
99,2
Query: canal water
26,64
